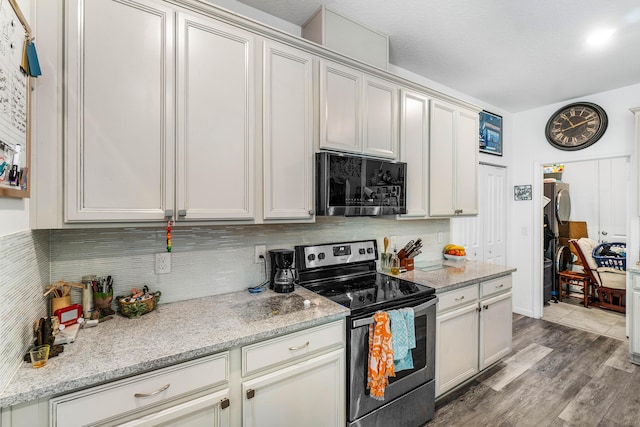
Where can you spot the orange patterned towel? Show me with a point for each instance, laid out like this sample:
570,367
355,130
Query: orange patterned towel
380,355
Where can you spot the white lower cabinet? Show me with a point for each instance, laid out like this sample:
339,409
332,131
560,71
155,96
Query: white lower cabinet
205,411
309,393
633,310
291,380
473,331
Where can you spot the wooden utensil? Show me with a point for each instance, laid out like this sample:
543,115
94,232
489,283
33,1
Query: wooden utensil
386,244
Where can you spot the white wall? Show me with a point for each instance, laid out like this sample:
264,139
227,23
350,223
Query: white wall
531,150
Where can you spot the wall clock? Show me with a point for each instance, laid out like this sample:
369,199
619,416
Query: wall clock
576,126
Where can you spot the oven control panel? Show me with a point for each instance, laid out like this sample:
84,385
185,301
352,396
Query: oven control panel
336,254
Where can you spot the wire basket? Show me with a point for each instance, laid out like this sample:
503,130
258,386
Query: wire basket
619,263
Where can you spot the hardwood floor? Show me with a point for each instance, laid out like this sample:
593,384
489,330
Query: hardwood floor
556,376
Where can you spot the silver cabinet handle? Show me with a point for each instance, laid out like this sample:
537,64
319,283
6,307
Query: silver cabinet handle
168,213
299,347
460,298
182,212
160,390
500,286
312,212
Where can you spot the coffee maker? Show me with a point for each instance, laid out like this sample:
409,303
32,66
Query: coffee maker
283,274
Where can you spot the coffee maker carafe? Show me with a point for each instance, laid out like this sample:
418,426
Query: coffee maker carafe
283,274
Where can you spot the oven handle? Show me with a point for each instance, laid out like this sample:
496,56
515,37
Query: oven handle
369,320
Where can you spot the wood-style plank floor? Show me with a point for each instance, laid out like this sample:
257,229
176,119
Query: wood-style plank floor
555,376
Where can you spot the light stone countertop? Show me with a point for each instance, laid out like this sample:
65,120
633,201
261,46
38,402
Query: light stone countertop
171,334
444,275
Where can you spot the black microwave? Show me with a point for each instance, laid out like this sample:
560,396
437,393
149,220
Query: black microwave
349,185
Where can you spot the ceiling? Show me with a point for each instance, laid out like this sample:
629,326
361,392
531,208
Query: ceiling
512,54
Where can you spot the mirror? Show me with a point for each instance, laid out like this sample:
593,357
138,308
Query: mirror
15,121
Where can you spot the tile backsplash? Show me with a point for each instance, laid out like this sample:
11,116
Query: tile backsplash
24,271
211,260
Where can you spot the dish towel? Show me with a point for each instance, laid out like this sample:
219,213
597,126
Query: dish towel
380,355
403,337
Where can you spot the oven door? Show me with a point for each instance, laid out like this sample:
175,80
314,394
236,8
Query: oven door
359,401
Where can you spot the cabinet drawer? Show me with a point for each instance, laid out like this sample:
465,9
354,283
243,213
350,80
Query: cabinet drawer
495,286
280,350
132,394
458,297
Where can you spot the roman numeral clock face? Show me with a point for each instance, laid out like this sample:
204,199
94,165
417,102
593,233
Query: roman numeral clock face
576,126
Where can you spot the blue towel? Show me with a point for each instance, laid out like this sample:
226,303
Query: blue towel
403,337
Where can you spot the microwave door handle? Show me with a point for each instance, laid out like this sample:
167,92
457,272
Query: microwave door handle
369,320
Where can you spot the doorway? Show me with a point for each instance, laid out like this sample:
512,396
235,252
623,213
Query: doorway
599,198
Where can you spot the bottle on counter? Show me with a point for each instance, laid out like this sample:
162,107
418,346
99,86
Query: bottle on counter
395,263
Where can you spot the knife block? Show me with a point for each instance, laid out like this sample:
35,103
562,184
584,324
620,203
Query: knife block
407,264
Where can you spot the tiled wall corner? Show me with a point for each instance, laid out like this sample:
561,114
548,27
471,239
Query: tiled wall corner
212,260
24,271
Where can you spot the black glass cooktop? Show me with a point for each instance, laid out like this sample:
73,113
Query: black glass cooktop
370,292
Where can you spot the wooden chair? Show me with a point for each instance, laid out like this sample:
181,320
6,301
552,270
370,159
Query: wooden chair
609,298
566,279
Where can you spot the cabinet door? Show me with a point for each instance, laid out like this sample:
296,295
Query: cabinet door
119,110
340,107
216,116
310,393
441,159
207,411
495,329
380,118
287,132
414,150
466,162
456,347
634,310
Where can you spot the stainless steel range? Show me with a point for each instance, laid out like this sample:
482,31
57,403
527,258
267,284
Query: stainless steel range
346,273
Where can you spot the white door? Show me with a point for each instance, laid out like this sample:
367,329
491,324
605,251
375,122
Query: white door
310,393
340,107
216,115
287,132
380,118
414,150
495,329
119,110
493,205
634,310
484,235
456,347
207,411
613,180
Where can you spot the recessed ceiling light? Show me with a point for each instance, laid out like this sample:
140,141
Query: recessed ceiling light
600,37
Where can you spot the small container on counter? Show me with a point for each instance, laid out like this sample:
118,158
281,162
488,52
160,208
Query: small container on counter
87,295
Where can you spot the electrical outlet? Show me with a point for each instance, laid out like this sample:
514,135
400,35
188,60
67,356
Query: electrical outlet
163,263
440,237
260,250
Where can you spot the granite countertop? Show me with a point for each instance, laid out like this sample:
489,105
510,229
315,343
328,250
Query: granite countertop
171,334
446,275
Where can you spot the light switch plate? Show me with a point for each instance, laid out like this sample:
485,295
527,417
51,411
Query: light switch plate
163,263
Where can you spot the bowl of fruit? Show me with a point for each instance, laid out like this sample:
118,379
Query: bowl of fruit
454,252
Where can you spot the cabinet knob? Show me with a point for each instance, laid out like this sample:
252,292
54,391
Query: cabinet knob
604,233
182,212
486,307
168,213
224,403
312,212
251,393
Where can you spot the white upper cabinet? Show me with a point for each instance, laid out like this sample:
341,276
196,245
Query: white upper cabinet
358,112
453,159
414,150
216,114
119,110
287,132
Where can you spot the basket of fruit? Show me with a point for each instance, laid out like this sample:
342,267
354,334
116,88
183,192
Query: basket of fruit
454,252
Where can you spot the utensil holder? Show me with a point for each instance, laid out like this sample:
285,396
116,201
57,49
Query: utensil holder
102,304
60,302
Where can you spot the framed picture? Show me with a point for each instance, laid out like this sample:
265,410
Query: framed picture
522,192
490,133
